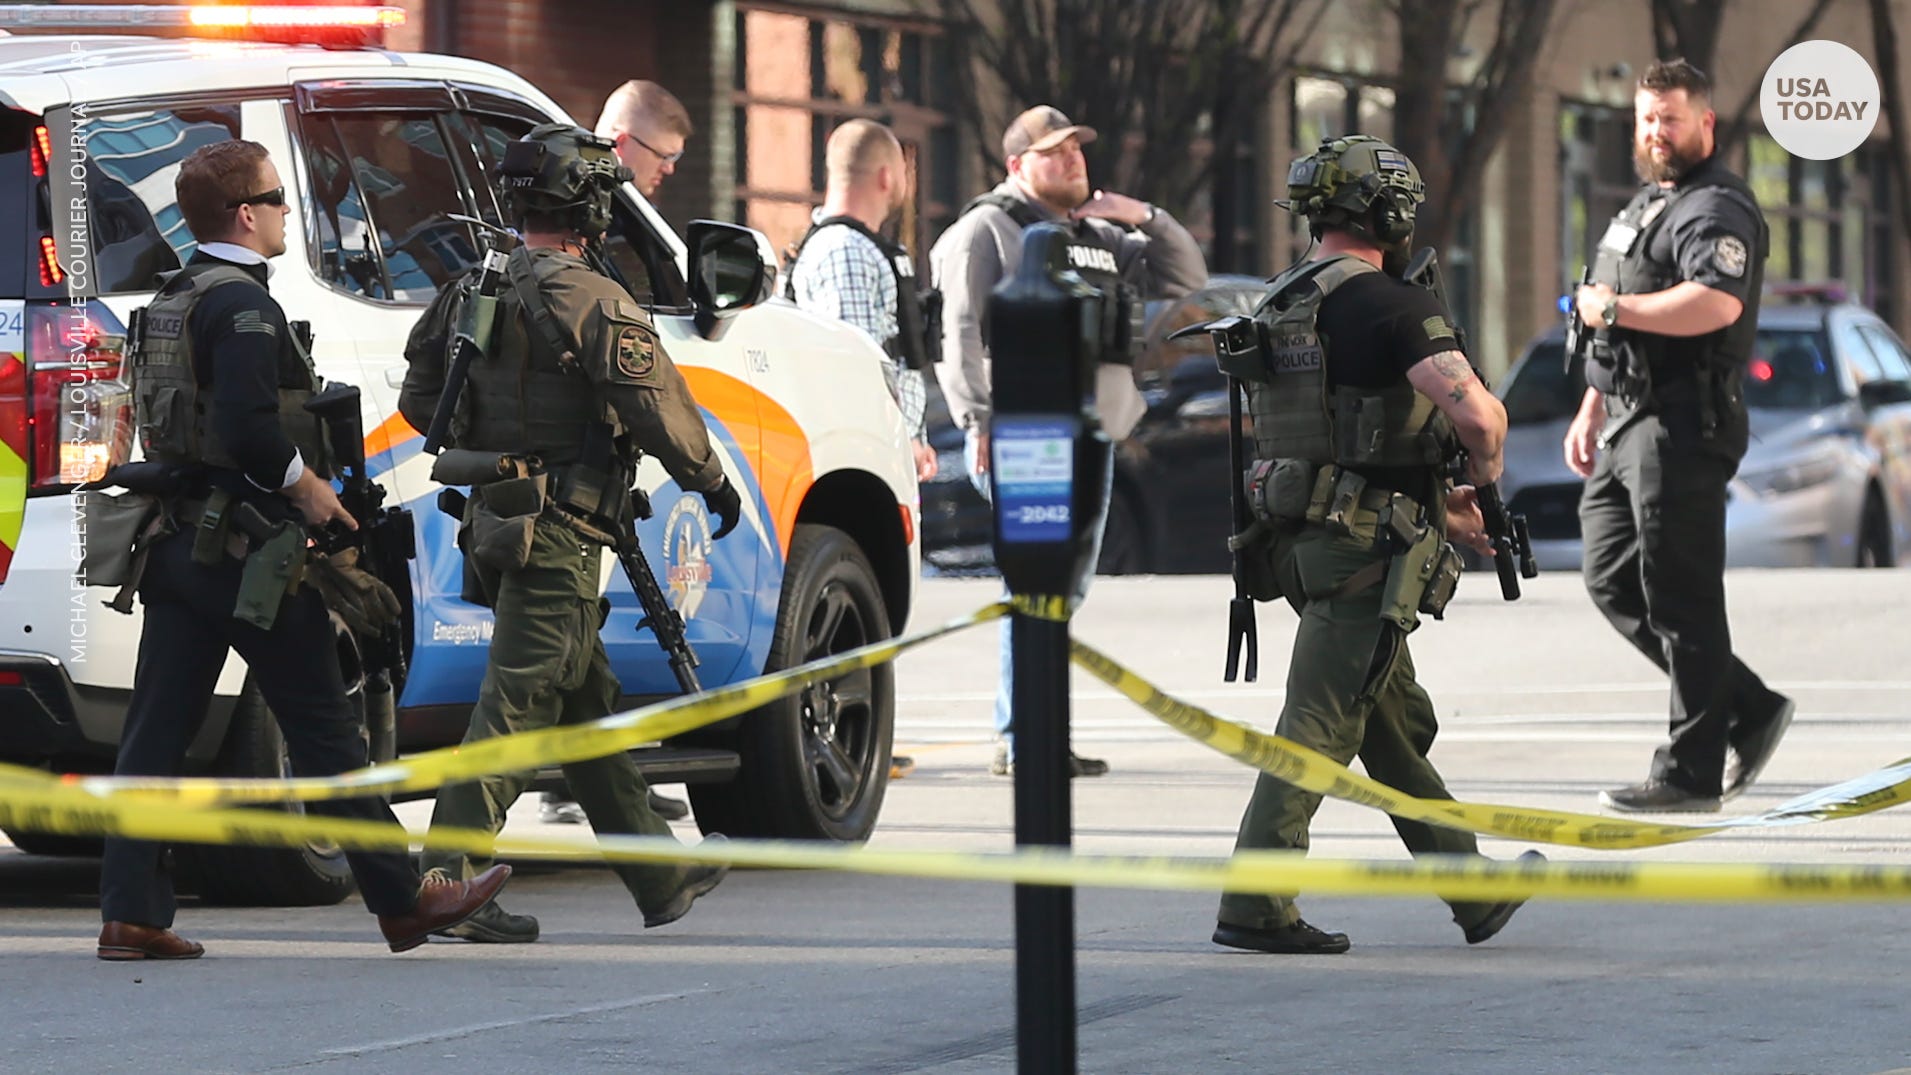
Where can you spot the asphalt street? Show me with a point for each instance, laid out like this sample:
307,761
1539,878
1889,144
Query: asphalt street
1541,704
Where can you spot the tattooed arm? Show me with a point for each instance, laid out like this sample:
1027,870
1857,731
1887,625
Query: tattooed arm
1447,379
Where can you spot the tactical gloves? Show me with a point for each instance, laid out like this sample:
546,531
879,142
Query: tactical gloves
360,598
726,505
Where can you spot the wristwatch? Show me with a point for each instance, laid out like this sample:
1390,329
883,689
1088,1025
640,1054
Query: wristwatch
1609,314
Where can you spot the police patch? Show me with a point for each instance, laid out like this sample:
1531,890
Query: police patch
636,352
1729,255
1436,328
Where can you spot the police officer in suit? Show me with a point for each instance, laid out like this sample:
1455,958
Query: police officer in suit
1359,397
1661,431
219,385
575,377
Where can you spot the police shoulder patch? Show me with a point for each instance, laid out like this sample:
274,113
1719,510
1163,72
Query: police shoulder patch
635,351
1728,255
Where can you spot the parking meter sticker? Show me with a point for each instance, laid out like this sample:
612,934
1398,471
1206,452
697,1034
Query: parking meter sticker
1034,466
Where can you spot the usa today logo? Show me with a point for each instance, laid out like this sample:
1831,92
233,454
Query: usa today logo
1819,100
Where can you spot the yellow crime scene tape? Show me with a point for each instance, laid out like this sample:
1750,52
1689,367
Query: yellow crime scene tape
1313,771
513,753
189,810
68,808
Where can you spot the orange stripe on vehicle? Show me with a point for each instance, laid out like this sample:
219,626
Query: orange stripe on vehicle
769,438
390,433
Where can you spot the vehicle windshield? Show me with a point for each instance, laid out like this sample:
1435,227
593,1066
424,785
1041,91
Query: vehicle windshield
1790,370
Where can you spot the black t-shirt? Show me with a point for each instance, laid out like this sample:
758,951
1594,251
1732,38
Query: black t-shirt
1377,328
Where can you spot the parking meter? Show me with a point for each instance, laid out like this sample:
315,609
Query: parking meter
1049,328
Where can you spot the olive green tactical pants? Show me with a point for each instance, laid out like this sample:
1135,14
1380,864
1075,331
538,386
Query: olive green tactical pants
547,667
1350,692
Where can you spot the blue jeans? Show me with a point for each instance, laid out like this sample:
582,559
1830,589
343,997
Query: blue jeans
1004,690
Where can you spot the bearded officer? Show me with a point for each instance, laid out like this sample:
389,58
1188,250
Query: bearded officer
1660,433
575,377
219,383
1360,397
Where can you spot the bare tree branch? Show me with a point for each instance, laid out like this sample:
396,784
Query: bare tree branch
1734,130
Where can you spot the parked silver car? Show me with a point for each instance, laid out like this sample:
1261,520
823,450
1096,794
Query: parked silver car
1827,480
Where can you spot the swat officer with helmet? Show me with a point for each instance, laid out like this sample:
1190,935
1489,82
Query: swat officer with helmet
1359,394
571,389
1660,433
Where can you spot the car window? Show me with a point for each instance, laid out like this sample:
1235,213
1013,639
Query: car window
488,134
131,161
641,261
1541,389
1893,363
384,195
1856,351
1790,371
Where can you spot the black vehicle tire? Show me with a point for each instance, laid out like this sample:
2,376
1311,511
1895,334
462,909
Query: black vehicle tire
311,876
54,844
1875,547
814,765
1124,545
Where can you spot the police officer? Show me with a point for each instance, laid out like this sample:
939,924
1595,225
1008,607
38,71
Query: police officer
575,377
1661,431
1118,240
219,385
1359,397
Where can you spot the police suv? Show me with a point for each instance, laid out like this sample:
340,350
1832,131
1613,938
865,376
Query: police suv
385,156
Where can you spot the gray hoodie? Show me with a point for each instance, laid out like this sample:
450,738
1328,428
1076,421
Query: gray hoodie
985,244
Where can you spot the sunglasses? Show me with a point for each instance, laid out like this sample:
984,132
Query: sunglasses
667,158
275,197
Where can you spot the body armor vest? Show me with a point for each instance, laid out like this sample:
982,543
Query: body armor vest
1298,415
524,395
1097,265
527,395
174,416
1644,369
918,312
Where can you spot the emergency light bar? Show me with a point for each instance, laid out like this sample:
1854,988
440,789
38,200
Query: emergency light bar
246,21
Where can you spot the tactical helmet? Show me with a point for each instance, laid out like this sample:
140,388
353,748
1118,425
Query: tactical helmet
1359,183
562,171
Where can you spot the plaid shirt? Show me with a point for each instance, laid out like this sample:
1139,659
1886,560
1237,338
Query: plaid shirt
843,275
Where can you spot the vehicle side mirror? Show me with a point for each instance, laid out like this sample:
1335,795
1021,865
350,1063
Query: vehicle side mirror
1884,393
727,272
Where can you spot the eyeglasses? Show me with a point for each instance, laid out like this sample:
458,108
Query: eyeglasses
274,197
667,158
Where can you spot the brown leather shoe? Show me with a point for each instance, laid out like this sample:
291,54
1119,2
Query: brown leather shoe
126,940
442,903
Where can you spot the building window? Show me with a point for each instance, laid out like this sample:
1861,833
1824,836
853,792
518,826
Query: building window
799,76
1596,180
1830,220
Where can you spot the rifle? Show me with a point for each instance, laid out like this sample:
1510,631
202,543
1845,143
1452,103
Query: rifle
663,621
1507,532
474,330
1579,339
1236,340
385,538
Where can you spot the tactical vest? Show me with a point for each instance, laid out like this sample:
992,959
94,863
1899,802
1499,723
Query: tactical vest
528,395
174,416
917,342
1097,265
1645,370
1297,414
